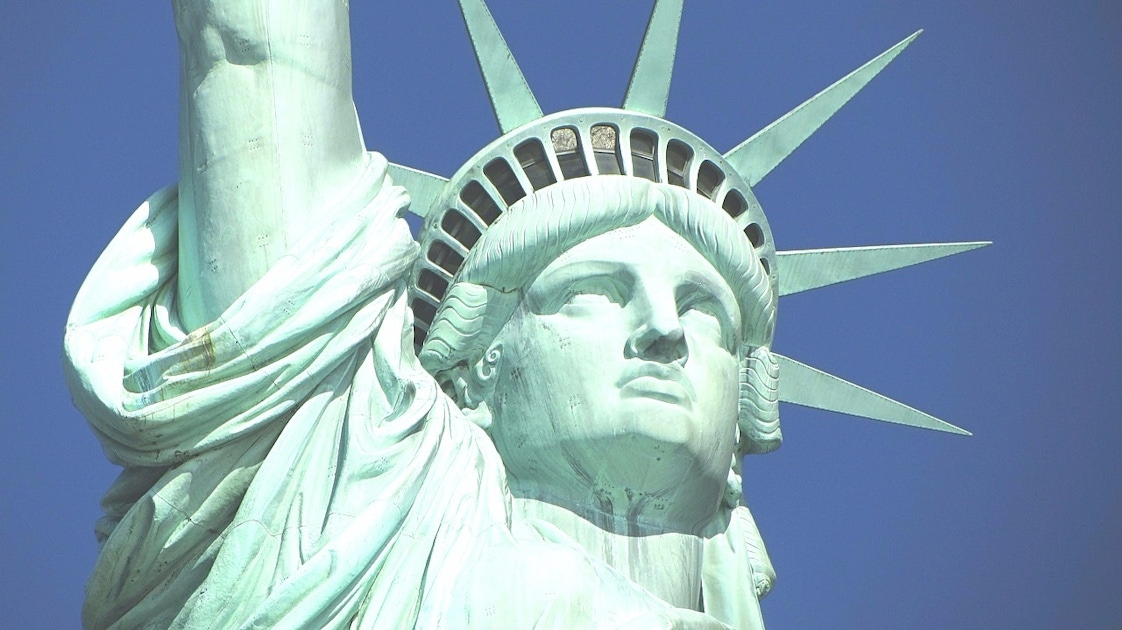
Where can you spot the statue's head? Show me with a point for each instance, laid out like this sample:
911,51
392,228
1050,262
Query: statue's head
598,287
610,331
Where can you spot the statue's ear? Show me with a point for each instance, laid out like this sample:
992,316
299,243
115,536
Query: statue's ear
475,385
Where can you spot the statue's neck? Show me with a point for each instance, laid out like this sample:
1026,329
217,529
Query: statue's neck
666,563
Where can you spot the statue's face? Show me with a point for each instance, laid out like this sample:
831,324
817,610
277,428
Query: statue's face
619,374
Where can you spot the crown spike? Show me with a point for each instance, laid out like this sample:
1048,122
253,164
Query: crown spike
801,384
649,87
808,269
510,95
425,189
757,156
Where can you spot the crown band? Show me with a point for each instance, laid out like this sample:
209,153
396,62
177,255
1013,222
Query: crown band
567,145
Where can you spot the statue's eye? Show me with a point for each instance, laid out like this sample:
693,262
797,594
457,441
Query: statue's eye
593,292
587,299
706,316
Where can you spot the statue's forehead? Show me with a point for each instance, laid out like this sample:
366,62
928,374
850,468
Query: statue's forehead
645,241
649,247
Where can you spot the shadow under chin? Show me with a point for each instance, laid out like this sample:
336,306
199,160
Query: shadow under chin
633,483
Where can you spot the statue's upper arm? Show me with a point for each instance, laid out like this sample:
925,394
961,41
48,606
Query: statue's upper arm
268,133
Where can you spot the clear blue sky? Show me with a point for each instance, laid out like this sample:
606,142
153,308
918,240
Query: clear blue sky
1000,123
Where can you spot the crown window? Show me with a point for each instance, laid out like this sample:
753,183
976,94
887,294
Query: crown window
431,283
678,157
709,177
734,204
445,257
643,144
531,157
755,234
424,312
605,148
476,198
504,179
459,228
569,157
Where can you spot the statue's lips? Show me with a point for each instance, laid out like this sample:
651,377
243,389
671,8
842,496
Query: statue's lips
657,381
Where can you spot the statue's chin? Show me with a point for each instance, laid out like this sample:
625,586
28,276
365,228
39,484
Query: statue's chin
654,428
633,479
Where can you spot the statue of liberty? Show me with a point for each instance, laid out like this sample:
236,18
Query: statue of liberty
532,416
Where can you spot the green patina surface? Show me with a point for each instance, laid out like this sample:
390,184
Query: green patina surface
534,417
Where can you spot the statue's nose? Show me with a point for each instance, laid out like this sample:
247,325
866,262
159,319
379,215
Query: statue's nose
659,336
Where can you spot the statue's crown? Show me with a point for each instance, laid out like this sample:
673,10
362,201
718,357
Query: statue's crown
536,151
564,146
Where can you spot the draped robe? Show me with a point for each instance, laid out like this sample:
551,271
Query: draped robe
292,465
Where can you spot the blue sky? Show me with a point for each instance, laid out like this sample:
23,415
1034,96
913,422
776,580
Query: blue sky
999,123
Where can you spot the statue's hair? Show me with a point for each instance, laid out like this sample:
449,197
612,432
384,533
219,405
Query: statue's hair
544,225
759,402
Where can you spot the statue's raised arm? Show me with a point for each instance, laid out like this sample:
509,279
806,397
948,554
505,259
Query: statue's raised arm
268,137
